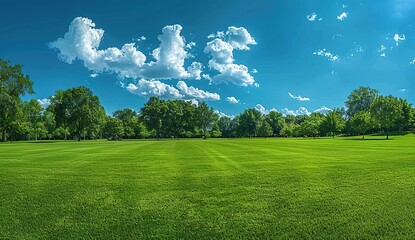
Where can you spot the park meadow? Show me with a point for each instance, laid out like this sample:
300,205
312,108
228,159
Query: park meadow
180,170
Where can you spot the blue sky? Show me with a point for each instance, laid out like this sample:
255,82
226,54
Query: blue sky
293,56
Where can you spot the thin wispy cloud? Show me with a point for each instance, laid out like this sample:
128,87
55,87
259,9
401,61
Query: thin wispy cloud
299,98
327,54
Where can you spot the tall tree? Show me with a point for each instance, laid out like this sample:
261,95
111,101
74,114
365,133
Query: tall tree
113,128
79,110
34,110
265,129
386,112
129,120
311,125
276,122
225,126
360,99
153,114
205,117
249,122
13,84
361,122
333,122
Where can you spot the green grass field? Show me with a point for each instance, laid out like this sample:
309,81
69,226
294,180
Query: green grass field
204,189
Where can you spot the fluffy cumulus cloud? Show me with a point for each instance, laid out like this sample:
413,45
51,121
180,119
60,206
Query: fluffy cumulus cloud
327,54
342,16
45,102
221,50
263,110
221,114
304,111
323,109
83,39
299,98
300,111
148,88
154,88
232,100
192,92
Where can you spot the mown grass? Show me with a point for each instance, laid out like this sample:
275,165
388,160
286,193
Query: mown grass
209,189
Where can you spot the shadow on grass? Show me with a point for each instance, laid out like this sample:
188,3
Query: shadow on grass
43,142
392,134
367,139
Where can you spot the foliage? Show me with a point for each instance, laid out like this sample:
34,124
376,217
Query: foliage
361,122
360,99
386,112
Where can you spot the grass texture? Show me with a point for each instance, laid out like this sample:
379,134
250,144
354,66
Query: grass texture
209,189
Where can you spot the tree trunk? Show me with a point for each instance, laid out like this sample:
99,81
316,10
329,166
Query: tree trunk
4,135
387,134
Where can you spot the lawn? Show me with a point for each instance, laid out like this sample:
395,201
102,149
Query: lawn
209,189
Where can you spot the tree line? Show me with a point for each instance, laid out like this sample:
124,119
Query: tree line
76,113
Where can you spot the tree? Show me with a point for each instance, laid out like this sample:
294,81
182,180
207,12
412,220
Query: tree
361,122
113,128
386,112
333,122
225,126
249,122
34,110
129,119
153,114
205,117
276,122
265,129
404,122
79,110
311,125
360,99
13,84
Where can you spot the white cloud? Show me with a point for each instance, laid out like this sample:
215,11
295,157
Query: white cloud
412,62
342,16
221,114
83,39
382,50
325,53
154,88
263,110
398,38
45,102
192,92
323,109
193,101
403,90
232,100
142,38
190,45
312,17
299,98
254,71
239,38
300,111
304,111
148,88
344,6
222,61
